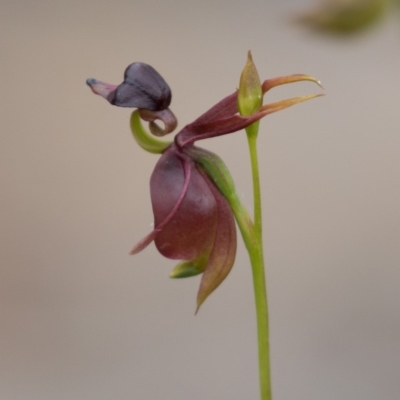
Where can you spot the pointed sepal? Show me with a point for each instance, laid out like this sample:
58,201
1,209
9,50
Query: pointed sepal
249,93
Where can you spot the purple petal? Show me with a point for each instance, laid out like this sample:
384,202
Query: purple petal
105,90
228,105
223,252
222,119
214,128
152,235
234,123
224,108
189,233
143,87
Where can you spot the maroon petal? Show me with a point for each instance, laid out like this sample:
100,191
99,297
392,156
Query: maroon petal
189,233
224,108
223,251
194,132
152,235
166,116
228,105
222,118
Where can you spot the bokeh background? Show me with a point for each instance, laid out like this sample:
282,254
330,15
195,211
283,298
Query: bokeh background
81,319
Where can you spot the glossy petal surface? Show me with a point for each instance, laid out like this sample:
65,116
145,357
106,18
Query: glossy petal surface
190,232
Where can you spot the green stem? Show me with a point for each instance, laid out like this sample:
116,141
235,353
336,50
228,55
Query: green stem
255,250
257,263
253,242
260,293
252,133
251,233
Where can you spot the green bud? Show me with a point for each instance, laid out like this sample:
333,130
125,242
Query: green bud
249,93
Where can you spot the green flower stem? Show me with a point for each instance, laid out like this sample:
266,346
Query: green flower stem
260,293
251,233
253,243
258,269
249,101
254,247
252,134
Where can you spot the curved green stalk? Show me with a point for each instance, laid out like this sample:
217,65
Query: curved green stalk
144,139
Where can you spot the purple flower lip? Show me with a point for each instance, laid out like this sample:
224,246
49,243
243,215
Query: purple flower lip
103,89
192,219
143,87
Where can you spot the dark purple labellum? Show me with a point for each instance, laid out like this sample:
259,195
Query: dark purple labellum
190,233
143,87
192,220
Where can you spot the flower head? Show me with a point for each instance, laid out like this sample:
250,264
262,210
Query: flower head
143,88
192,193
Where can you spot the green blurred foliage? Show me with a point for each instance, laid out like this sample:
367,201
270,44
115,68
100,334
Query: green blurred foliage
347,16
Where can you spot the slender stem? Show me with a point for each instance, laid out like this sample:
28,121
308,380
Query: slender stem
260,293
251,233
252,133
257,264
254,247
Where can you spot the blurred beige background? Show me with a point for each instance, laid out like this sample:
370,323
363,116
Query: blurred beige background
82,320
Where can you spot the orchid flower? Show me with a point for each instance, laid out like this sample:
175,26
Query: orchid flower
193,196
192,193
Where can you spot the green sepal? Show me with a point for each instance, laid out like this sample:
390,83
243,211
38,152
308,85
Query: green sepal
144,139
216,169
186,269
250,92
